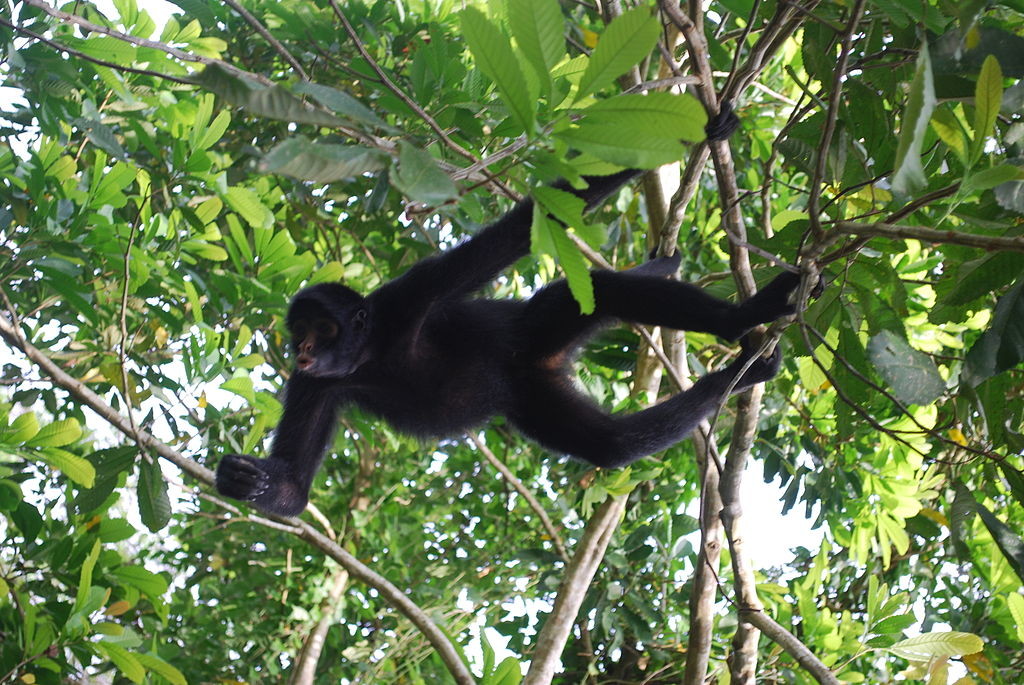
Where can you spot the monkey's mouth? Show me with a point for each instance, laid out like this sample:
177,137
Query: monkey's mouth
305,362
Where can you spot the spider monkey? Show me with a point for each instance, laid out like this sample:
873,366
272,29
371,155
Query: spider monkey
425,355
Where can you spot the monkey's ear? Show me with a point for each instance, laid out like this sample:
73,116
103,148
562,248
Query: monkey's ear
359,318
722,125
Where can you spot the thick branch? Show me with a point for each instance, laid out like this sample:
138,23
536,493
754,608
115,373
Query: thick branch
303,530
580,572
791,644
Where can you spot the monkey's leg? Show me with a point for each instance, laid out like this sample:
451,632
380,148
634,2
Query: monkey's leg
552,412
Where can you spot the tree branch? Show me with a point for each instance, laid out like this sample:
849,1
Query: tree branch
930,235
391,594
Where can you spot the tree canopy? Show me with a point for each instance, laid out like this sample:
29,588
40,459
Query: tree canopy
168,183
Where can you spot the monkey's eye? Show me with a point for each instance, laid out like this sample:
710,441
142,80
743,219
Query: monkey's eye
326,329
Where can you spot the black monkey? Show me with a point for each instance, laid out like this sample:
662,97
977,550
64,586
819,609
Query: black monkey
432,360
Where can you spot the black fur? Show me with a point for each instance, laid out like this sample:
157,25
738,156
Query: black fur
433,361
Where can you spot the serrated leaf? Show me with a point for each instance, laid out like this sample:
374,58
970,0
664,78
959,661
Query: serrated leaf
537,26
910,373
909,176
669,115
1016,604
419,177
154,505
76,468
575,267
56,434
628,39
988,96
305,160
493,53
937,644
562,205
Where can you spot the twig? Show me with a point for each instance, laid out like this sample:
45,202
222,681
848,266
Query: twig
791,644
931,235
144,42
530,498
267,36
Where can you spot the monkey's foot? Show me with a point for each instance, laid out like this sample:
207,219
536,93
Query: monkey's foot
241,478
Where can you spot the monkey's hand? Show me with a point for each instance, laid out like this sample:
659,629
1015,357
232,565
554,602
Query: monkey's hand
262,482
761,369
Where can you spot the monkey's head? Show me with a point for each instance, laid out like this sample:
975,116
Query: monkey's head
329,324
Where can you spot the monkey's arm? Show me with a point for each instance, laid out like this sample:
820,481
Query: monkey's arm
280,484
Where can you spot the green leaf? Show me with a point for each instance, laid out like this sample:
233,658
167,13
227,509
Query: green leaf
494,55
937,644
628,39
154,505
668,115
989,178
419,177
949,129
575,268
1001,347
562,205
124,660
537,26
76,468
56,434
273,102
155,664
305,160
85,576
632,148
340,102
988,96
894,624
1016,604
247,204
909,177
911,374
1007,539
153,585
21,429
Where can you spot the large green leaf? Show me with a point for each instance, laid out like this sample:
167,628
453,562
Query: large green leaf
909,177
273,102
988,96
494,55
627,148
537,26
628,39
419,177
910,373
303,159
674,117
154,505
937,644
1001,347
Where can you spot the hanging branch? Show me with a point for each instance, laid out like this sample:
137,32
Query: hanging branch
304,531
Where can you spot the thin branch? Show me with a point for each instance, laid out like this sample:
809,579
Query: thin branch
931,235
530,498
267,36
302,529
143,42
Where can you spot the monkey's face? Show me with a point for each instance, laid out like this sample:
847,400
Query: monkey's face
325,347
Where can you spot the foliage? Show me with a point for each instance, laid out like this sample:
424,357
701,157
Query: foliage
162,197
